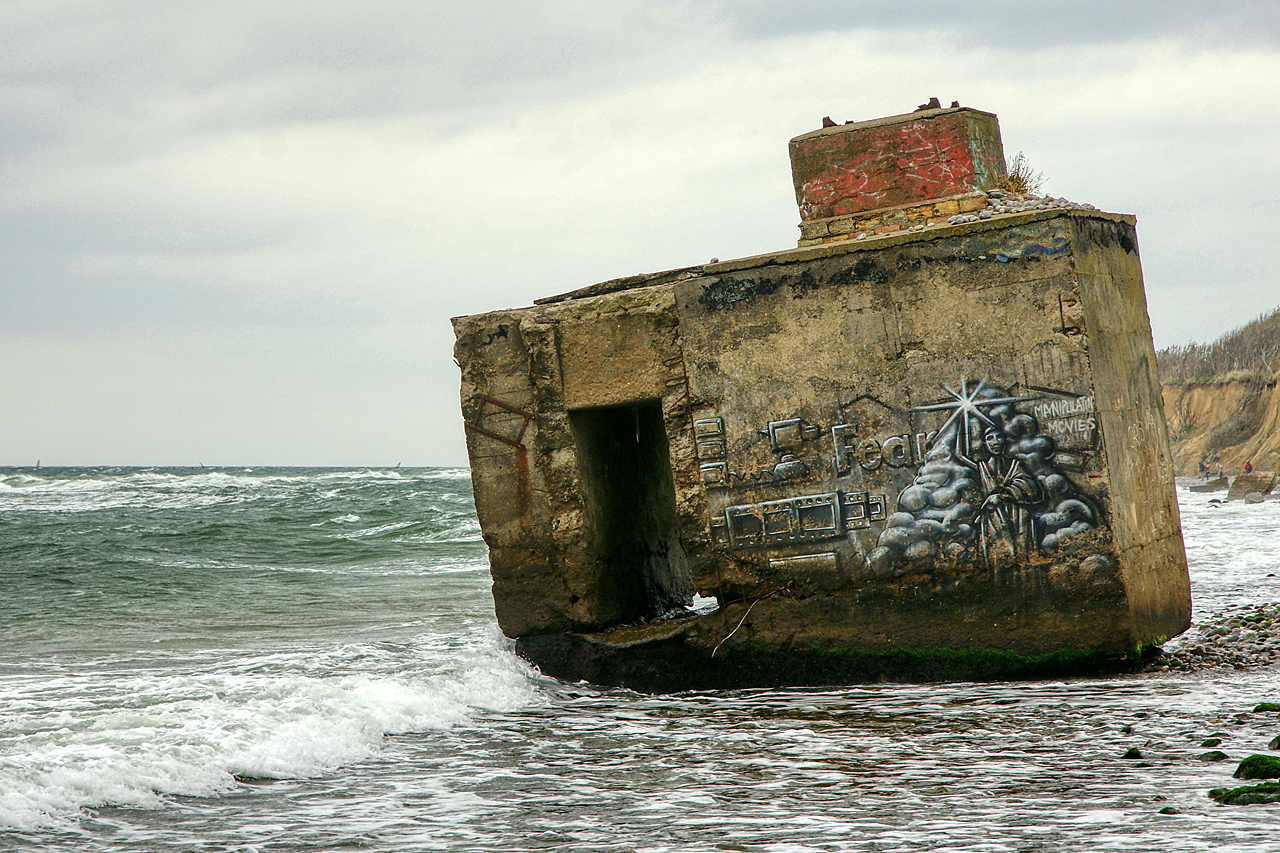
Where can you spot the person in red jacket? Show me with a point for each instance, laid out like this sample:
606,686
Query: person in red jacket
1248,466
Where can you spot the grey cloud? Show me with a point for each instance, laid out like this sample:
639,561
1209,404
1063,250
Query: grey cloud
343,59
1014,25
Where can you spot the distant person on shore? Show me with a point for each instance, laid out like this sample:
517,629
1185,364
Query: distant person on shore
1204,470
1248,466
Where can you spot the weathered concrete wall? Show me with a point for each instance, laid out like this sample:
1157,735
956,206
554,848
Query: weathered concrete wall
948,440
1145,522
906,159
523,374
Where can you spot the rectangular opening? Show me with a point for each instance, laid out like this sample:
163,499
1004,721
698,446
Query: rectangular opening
625,463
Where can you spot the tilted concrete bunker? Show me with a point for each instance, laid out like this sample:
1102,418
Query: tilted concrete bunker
927,443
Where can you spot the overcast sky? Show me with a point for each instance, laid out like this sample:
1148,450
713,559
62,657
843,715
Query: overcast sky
234,233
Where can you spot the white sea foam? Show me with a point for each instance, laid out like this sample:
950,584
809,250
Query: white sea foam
77,741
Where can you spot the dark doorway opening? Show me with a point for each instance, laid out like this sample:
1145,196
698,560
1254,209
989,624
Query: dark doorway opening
625,463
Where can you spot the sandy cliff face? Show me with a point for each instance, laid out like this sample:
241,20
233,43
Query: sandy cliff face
1227,423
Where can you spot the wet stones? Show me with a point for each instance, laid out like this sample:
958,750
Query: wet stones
1258,766
1242,637
1267,792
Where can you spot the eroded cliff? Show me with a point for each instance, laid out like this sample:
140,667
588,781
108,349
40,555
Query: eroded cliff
1226,423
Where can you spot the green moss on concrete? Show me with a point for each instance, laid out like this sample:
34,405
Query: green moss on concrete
944,664
672,664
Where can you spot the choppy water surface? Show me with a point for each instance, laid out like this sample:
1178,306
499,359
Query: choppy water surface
289,660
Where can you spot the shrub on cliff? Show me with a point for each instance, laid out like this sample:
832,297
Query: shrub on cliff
1251,350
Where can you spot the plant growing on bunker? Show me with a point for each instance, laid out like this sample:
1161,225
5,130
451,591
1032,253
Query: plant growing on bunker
1020,177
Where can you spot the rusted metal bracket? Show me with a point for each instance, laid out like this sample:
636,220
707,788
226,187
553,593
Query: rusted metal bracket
474,423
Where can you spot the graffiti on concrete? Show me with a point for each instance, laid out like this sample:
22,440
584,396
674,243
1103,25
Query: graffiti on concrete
787,439
708,433
1070,421
860,509
803,518
988,489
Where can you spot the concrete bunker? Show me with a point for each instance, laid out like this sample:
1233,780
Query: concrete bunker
926,443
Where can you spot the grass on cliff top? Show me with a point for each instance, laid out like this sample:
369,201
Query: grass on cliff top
1251,351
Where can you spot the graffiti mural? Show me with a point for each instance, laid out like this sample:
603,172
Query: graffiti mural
788,438
989,489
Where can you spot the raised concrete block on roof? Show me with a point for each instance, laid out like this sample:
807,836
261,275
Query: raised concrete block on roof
899,160
933,454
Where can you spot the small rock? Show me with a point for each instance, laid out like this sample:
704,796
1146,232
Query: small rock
1213,755
1267,792
1259,766
1169,810
1127,729
1210,741
1133,752
1275,743
1264,707
986,214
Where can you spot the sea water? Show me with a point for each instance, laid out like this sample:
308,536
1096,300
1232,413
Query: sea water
307,659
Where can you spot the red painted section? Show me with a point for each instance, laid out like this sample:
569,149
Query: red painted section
869,168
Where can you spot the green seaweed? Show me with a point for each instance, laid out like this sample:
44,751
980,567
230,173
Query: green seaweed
672,664
1247,795
933,664
1258,766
